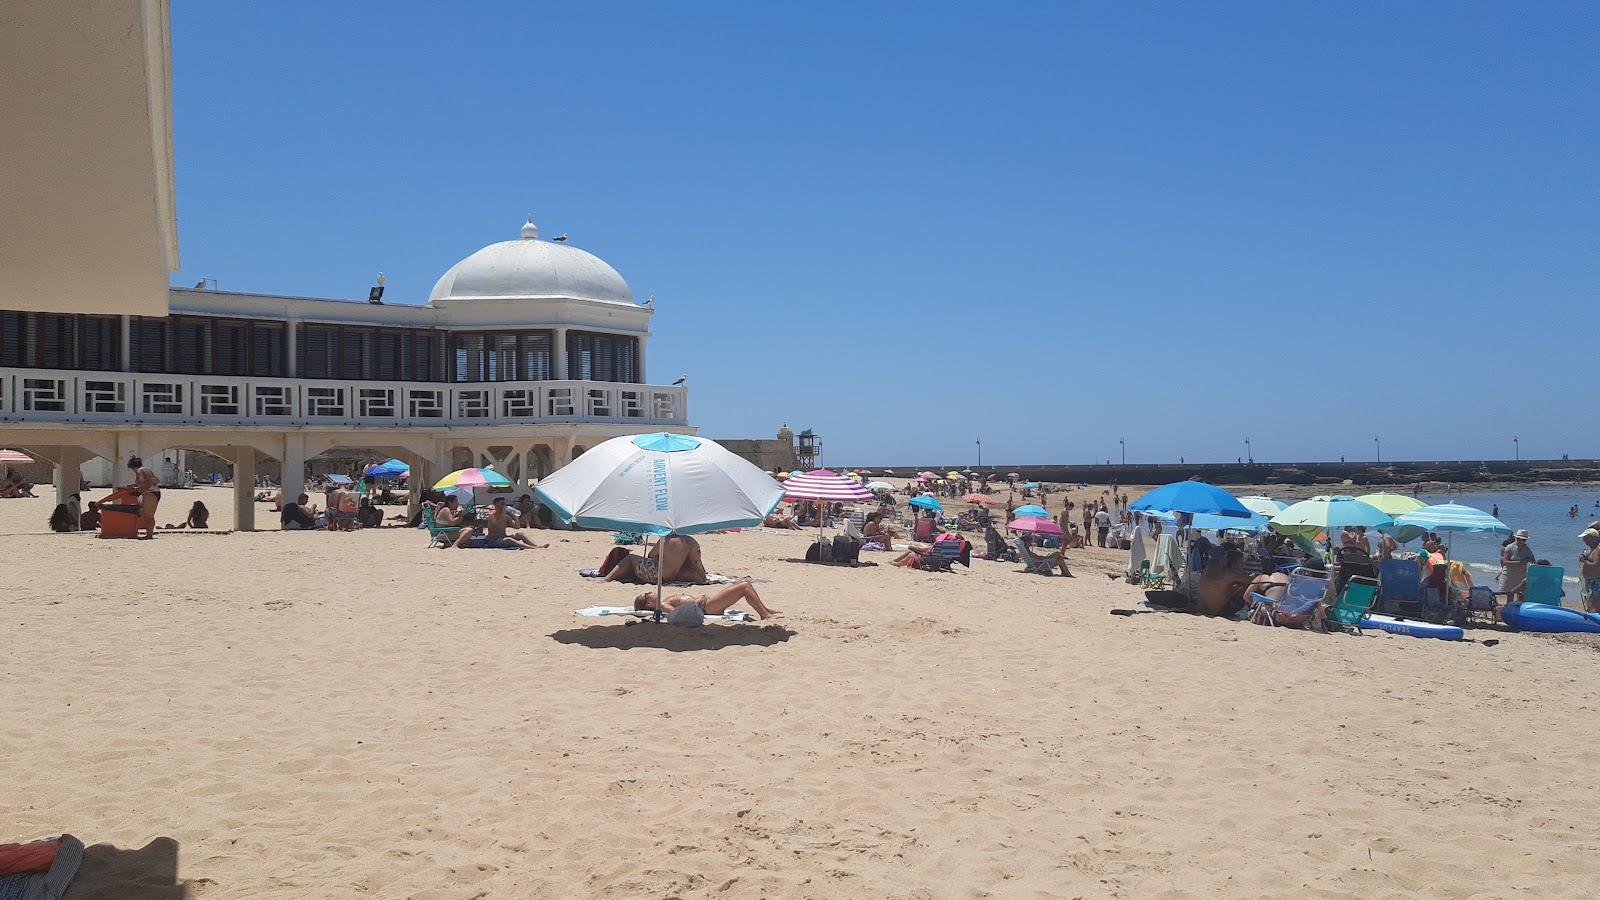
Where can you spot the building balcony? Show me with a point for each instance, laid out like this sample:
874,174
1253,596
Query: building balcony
123,398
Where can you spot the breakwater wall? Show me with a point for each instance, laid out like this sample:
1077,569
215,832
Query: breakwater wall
1367,473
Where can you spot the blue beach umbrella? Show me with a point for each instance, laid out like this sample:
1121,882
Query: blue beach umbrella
1032,509
394,468
926,501
1209,522
1191,497
1263,506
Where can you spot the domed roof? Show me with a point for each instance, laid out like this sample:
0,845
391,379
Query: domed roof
531,269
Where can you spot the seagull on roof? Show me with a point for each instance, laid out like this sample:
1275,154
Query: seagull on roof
681,380
562,239
650,302
201,284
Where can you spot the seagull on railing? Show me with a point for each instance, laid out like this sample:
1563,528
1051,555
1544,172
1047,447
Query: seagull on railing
681,380
560,240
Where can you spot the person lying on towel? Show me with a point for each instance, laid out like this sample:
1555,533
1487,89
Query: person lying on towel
713,604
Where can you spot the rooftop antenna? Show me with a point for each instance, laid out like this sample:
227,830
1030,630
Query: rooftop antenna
376,294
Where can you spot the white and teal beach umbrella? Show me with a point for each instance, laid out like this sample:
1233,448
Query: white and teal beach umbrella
660,484
1453,517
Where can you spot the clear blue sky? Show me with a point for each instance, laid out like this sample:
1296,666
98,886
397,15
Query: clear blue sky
910,226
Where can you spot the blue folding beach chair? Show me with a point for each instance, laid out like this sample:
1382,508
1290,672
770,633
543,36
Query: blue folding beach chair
1399,587
1307,588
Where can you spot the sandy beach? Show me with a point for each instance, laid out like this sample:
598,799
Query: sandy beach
294,715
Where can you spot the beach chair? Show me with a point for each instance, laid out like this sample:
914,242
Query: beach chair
1306,590
1399,587
1481,605
923,530
1150,580
942,557
438,536
1544,585
1034,565
1354,602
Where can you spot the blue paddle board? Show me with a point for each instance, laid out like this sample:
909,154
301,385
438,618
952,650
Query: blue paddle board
1549,619
1413,628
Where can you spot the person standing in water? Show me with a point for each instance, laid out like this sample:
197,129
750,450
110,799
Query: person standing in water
1514,559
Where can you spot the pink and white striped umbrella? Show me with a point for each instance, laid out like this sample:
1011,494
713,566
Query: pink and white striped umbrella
12,456
821,484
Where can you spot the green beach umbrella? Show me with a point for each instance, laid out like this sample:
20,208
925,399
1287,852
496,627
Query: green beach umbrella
1308,517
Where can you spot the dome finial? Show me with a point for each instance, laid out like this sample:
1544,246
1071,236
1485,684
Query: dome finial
530,231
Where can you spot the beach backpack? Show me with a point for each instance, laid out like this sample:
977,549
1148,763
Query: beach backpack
845,549
820,552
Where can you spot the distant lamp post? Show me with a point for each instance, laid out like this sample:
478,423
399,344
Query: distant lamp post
1379,444
1123,445
1516,444
979,442
1247,457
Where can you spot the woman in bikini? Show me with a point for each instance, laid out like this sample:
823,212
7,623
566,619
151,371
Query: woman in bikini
711,604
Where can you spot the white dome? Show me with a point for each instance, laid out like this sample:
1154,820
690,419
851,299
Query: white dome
531,269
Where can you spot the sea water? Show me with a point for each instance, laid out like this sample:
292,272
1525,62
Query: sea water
1552,533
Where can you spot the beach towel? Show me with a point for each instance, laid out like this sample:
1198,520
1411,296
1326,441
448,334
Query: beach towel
40,870
732,615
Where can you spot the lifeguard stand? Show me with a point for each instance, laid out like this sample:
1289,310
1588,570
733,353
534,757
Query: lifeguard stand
807,450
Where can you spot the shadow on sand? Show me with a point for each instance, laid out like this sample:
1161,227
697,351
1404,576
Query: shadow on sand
651,636
112,873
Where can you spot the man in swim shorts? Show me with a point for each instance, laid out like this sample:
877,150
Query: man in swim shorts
1589,562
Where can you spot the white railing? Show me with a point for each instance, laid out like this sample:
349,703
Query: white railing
56,395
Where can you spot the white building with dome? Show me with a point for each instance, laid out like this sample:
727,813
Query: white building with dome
527,353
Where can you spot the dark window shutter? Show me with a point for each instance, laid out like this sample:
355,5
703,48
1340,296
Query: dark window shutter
315,347
12,328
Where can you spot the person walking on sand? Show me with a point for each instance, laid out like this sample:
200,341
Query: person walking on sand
1102,523
148,487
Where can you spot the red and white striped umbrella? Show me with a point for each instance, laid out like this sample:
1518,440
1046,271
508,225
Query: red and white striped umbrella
12,456
821,484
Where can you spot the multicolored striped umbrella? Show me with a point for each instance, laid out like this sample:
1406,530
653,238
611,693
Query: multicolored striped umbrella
823,485
472,478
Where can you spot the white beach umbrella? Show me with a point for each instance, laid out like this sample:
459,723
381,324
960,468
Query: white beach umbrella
660,484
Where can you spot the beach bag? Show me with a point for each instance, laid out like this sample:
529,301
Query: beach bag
820,552
845,549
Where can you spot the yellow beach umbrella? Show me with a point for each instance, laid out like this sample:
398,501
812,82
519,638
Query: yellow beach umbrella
1393,504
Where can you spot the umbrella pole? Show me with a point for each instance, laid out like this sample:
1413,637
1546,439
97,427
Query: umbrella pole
659,575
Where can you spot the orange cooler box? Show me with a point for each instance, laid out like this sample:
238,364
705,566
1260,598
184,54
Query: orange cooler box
119,518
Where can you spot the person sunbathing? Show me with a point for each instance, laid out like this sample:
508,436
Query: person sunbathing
199,517
674,558
450,514
497,530
1055,559
874,527
779,520
714,604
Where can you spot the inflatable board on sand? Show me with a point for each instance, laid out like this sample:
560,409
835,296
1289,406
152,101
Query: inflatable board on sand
1413,628
1549,619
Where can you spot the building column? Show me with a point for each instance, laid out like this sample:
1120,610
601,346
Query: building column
293,482
421,477
69,469
561,354
127,343
244,489
291,348
644,377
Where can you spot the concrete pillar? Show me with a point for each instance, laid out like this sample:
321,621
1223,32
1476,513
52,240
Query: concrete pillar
421,477
561,354
127,343
69,468
644,377
293,481
291,348
244,489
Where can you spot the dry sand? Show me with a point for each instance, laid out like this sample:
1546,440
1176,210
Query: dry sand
338,715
